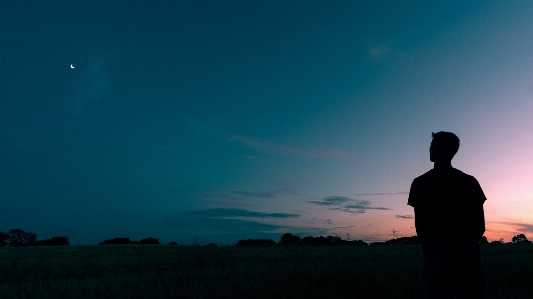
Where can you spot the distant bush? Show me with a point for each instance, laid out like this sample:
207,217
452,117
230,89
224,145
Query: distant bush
149,241
173,243
211,245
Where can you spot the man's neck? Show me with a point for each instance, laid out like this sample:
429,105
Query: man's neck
442,165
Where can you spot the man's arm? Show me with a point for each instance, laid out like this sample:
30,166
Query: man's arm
413,194
478,219
478,212
420,215
481,216
421,225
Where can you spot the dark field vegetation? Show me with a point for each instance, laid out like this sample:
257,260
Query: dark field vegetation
159,271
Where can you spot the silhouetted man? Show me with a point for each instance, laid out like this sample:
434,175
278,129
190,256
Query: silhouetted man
449,222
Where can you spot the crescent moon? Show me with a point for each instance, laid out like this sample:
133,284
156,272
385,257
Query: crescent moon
71,66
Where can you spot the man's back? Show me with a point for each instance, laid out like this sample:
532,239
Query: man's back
448,211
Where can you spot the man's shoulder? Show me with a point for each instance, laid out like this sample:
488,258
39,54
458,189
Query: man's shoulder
435,173
463,175
424,176
438,175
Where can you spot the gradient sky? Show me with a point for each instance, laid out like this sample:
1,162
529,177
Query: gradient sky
235,120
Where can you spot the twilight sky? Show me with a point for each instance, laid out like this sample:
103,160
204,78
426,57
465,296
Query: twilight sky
231,120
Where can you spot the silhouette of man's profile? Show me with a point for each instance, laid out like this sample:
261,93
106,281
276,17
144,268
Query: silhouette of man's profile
450,222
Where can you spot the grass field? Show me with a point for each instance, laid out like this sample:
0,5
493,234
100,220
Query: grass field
162,271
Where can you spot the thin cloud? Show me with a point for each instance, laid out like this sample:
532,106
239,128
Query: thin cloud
520,227
224,213
332,201
358,208
263,146
287,150
404,216
381,193
238,198
221,221
346,204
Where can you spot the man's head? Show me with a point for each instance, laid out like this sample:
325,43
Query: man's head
443,147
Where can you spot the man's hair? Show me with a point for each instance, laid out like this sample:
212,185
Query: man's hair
445,144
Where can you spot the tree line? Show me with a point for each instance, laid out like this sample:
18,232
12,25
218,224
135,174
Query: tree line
18,238
289,239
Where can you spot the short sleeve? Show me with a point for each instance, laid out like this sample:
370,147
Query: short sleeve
413,195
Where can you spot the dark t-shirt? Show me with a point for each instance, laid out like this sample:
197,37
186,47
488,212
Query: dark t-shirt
448,211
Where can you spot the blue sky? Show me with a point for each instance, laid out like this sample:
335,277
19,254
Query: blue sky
232,120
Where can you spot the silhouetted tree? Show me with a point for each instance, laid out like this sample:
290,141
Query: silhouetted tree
211,245
308,241
285,239
322,241
173,243
18,237
521,238
3,238
295,240
483,240
334,240
150,240
289,239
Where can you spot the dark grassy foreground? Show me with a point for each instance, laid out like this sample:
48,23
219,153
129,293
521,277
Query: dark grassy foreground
160,271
